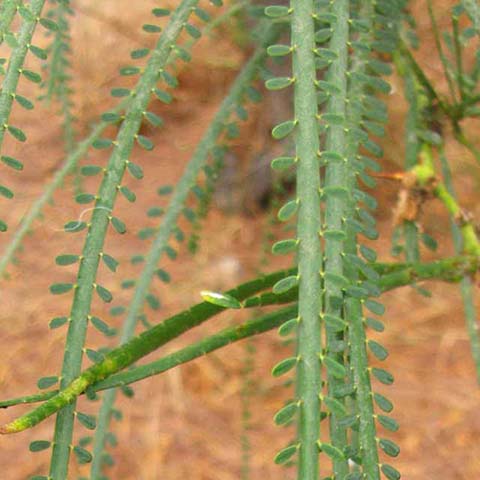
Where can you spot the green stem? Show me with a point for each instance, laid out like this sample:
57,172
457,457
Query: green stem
441,53
136,348
8,11
309,342
15,66
100,220
175,207
458,57
35,210
335,212
466,284
452,270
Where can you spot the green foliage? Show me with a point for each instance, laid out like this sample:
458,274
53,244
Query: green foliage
327,304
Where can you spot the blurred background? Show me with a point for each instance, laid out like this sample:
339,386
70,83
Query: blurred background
188,421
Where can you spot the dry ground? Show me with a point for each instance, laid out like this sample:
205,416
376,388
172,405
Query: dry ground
187,422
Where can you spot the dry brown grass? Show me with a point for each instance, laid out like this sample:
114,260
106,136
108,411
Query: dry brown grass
189,423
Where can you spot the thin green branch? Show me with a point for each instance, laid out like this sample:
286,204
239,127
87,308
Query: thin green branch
7,13
169,221
336,207
14,71
466,284
36,209
309,252
101,217
441,53
393,275
136,348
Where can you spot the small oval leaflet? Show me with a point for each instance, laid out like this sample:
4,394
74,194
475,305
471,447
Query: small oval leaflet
12,163
5,192
368,253
144,142
118,225
337,235
378,350
49,24
88,421
153,301
84,198
47,382
329,156
383,376
39,445
333,452
336,279
102,143
40,53
283,129
277,83
220,299
83,456
110,262
32,76
128,194
333,367
285,414
334,323
74,226
285,284
284,455
275,11
102,327
335,407
284,366
165,190
375,324
284,246
66,259
389,447
288,210
59,288
375,307
120,92
104,294
383,403
94,357
57,322
17,133
90,170
24,102
139,53
135,170
163,275
282,163
323,35
279,50
288,327
390,472
388,423
161,12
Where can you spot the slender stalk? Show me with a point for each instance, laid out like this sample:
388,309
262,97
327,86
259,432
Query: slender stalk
452,270
336,206
15,65
466,284
98,228
441,53
169,221
136,348
7,13
309,342
35,210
